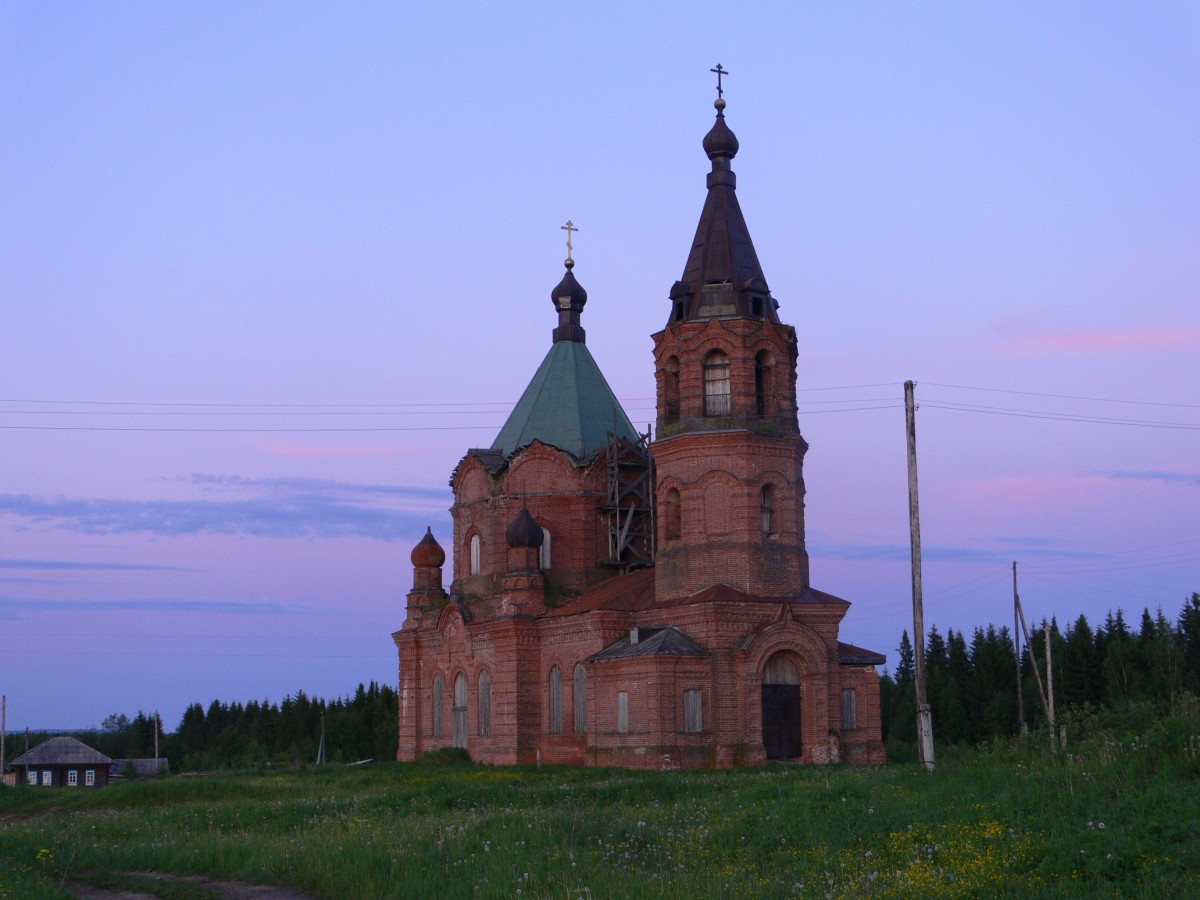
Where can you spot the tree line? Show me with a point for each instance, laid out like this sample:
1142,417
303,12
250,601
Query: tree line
971,686
237,735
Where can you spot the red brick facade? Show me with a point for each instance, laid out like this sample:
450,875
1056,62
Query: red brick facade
719,654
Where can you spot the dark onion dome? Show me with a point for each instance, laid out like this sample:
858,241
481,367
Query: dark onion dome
568,294
720,140
524,531
428,554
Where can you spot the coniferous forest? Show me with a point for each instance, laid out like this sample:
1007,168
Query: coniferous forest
971,684
1145,670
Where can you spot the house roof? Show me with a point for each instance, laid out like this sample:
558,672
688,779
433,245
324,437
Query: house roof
141,768
567,405
661,641
62,751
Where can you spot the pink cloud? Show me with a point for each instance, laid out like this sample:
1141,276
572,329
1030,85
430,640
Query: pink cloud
1030,490
1016,337
283,449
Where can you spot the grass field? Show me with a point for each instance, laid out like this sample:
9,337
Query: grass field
1114,817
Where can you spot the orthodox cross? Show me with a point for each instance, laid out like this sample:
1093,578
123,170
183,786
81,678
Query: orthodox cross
569,228
720,72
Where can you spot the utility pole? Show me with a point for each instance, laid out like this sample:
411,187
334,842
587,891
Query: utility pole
3,730
1050,687
157,722
1017,648
924,718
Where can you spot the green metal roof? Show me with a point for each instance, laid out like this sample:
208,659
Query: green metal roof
568,405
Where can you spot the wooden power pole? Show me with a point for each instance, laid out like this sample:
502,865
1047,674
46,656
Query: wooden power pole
1050,687
924,718
1017,648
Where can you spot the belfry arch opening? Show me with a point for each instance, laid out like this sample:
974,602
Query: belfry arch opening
781,707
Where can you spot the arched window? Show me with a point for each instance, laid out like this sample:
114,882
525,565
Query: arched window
460,711
485,703
671,390
768,507
580,699
476,565
556,712
544,550
439,689
716,384
762,383
673,518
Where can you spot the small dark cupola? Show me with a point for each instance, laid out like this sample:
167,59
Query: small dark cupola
722,276
524,533
569,298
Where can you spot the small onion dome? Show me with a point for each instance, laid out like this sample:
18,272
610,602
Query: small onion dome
568,294
720,141
524,531
428,554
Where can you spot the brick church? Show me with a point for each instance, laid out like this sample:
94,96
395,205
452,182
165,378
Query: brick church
618,600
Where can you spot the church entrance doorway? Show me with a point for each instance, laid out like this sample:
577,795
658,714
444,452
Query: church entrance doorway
781,708
460,711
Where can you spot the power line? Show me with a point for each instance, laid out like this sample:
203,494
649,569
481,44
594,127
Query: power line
1062,417
964,387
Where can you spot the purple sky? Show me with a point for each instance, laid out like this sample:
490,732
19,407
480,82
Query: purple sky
267,270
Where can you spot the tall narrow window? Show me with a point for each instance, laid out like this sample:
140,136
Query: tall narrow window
673,519
438,690
767,508
671,389
544,551
556,712
716,384
693,716
622,711
849,708
762,382
475,555
460,711
580,699
485,703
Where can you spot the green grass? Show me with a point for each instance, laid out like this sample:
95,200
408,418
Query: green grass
1112,817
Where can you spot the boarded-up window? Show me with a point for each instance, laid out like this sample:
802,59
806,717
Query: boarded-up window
476,552
693,716
460,711
849,708
671,513
671,389
762,383
622,711
485,704
580,699
556,712
438,690
716,384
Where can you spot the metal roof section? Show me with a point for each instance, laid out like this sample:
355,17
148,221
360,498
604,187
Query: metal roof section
567,405
61,751
723,276
661,641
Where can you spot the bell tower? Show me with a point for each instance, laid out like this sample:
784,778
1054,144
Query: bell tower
728,451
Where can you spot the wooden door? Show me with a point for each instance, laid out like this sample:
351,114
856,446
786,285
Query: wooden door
781,720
